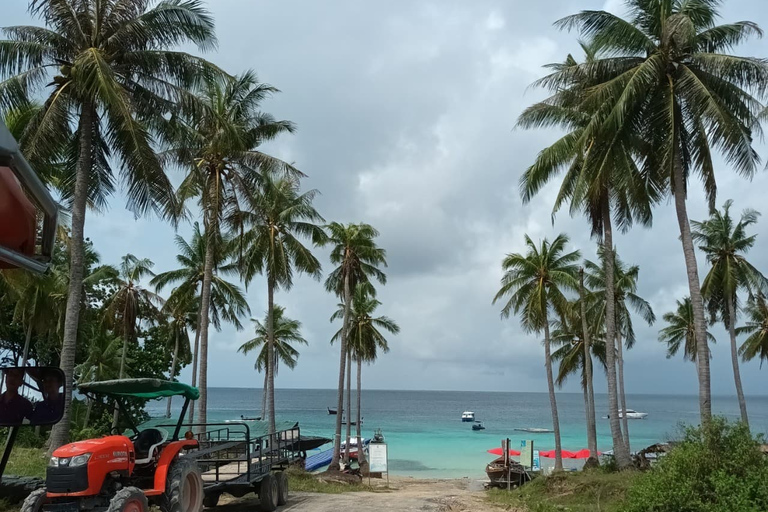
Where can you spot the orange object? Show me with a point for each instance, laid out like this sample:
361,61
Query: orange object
17,216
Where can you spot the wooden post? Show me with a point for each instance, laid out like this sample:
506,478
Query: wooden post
509,468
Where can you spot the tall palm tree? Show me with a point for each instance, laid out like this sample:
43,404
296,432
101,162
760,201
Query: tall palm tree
358,258
725,243
182,314
533,286
364,335
588,370
756,344
227,300
625,286
279,217
217,142
106,70
103,362
667,79
130,303
286,332
681,332
601,179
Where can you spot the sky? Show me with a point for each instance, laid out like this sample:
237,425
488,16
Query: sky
406,113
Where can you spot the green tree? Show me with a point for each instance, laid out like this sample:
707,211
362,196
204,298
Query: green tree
756,327
725,243
227,300
667,80
217,143
533,286
681,332
112,68
104,361
358,258
287,332
366,339
279,217
131,303
182,314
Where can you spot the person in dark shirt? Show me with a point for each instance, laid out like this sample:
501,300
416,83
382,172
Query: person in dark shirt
14,408
51,408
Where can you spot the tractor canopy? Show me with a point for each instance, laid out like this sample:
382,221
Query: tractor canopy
140,388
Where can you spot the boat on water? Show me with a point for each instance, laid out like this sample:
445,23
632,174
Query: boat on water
353,423
251,418
378,436
533,430
478,425
353,447
631,415
333,411
498,473
468,416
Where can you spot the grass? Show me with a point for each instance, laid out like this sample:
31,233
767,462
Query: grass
583,491
27,462
302,481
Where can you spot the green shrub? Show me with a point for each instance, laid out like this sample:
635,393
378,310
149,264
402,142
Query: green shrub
717,469
26,437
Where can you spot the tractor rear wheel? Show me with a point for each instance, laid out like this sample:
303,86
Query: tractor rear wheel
35,501
282,488
268,494
128,499
184,487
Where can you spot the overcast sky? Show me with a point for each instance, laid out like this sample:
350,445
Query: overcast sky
405,112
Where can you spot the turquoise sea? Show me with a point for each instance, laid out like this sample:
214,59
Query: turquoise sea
427,438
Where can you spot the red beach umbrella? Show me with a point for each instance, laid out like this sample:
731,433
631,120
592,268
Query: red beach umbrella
567,455
497,451
583,454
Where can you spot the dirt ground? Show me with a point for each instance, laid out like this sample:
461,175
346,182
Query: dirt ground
404,495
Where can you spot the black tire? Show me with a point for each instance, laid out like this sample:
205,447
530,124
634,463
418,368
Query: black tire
128,499
35,501
268,494
211,500
282,487
183,487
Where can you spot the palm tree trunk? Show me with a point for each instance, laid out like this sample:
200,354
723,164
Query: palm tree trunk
694,287
173,373
88,413
191,414
264,396
590,390
27,341
271,354
349,407
116,413
622,396
552,399
60,432
361,462
619,448
735,360
334,466
205,307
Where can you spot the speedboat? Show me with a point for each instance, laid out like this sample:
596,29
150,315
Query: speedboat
468,416
478,425
632,415
353,447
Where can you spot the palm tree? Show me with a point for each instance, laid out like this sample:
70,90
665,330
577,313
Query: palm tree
533,285
587,342
108,70
227,300
130,303
602,180
217,143
725,244
667,80
625,286
756,344
358,258
103,362
364,335
286,332
278,218
182,314
681,332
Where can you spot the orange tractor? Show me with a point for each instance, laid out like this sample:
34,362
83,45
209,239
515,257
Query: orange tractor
118,473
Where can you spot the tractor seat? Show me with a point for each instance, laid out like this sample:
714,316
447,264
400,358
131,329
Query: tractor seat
146,443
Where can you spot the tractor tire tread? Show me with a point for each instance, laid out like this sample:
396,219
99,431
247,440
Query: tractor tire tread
34,502
118,501
174,481
282,487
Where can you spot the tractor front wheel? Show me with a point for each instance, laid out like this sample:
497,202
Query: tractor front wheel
268,494
128,499
184,487
35,501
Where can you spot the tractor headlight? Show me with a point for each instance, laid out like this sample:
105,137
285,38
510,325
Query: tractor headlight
80,460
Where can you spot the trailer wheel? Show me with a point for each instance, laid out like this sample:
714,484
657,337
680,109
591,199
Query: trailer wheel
282,487
268,494
211,500
35,501
184,487
128,499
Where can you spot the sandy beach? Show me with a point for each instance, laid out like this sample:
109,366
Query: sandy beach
404,494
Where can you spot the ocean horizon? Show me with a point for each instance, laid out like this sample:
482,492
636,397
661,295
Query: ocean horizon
427,438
